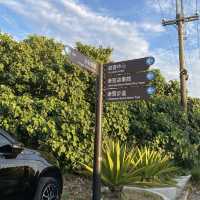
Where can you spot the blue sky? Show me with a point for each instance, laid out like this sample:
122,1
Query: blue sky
133,28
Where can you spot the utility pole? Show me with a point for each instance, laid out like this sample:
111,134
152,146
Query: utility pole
180,21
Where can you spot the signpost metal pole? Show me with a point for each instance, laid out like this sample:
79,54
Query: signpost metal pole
98,136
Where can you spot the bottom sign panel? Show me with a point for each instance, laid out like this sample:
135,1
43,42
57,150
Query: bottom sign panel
129,93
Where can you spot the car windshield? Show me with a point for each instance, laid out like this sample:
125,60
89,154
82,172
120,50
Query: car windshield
3,141
11,139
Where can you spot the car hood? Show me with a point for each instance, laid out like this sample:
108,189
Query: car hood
42,156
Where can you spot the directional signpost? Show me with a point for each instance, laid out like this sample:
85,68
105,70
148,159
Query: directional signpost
135,79
128,80
86,63
129,93
79,59
129,66
120,81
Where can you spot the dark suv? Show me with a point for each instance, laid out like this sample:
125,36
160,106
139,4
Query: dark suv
25,174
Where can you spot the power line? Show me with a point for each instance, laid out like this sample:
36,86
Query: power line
188,36
198,35
168,36
196,6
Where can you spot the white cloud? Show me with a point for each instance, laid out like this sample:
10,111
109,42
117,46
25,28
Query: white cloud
168,7
194,71
70,21
163,7
152,27
167,62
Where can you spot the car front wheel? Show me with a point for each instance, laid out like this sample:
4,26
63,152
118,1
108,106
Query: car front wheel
48,189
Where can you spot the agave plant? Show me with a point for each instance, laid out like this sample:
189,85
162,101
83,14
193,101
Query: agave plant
154,167
122,166
117,168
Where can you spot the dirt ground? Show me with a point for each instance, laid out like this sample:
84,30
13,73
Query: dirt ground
76,188
79,188
194,192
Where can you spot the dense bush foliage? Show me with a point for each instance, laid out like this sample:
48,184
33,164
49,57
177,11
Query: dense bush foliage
49,103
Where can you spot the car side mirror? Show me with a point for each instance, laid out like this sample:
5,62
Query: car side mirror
17,148
11,150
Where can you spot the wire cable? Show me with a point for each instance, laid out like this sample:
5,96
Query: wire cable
196,6
198,34
168,36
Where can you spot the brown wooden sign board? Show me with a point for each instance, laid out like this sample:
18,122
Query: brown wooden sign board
126,93
79,59
128,66
127,79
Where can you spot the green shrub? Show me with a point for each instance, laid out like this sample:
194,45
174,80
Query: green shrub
195,173
155,167
117,168
123,166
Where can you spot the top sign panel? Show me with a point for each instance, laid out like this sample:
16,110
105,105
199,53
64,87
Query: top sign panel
128,66
79,59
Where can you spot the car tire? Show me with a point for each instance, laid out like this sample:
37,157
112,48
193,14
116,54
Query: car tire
48,188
